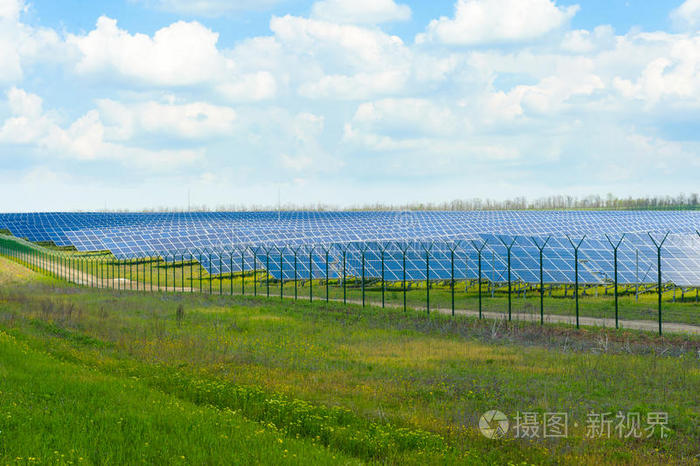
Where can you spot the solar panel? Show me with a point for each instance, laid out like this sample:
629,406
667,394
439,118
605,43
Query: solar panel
217,239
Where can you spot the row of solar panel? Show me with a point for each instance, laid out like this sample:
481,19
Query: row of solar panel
138,235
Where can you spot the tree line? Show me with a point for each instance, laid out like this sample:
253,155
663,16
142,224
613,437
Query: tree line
559,202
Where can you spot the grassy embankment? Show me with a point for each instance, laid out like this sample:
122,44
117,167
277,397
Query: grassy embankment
125,377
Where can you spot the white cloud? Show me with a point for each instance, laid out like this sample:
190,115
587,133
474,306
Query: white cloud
84,139
687,16
180,54
21,45
421,133
342,61
360,11
260,85
674,73
305,152
493,21
197,120
208,8
408,116
355,87
360,47
585,42
10,9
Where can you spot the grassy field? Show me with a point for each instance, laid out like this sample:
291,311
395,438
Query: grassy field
124,377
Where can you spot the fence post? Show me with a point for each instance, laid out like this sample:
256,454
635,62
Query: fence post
230,266
509,247
382,249
311,275
221,274
403,251
242,272
576,248
281,272
267,270
427,277
150,269
541,249
255,270
363,250
344,276
478,250
659,245
452,277
295,274
327,275
211,280
182,271
615,247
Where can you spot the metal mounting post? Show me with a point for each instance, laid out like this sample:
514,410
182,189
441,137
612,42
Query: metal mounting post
615,247
453,248
382,249
427,277
255,270
242,272
478,250
344,276
541,249
576,247
659,245
295,274
327,276
311,275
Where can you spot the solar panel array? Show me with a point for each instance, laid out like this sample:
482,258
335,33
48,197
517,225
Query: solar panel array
321,243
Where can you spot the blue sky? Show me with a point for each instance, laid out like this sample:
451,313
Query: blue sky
132,104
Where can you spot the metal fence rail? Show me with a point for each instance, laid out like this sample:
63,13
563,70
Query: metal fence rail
485,265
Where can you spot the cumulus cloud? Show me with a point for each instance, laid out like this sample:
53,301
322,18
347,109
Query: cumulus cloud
360,11
687,16
408,116
10,9
208,8
22,45
84,139
181,54
493,21
335,91
671,73
585,42
349,62
198,120
305,153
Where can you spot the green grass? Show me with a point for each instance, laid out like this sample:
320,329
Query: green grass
58,412
368,385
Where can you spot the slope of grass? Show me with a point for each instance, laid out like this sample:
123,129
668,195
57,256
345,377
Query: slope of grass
54,411
370,385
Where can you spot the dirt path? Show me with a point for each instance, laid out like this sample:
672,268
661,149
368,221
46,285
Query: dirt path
85,279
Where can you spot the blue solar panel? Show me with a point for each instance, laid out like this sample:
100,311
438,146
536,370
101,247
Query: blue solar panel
216,238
